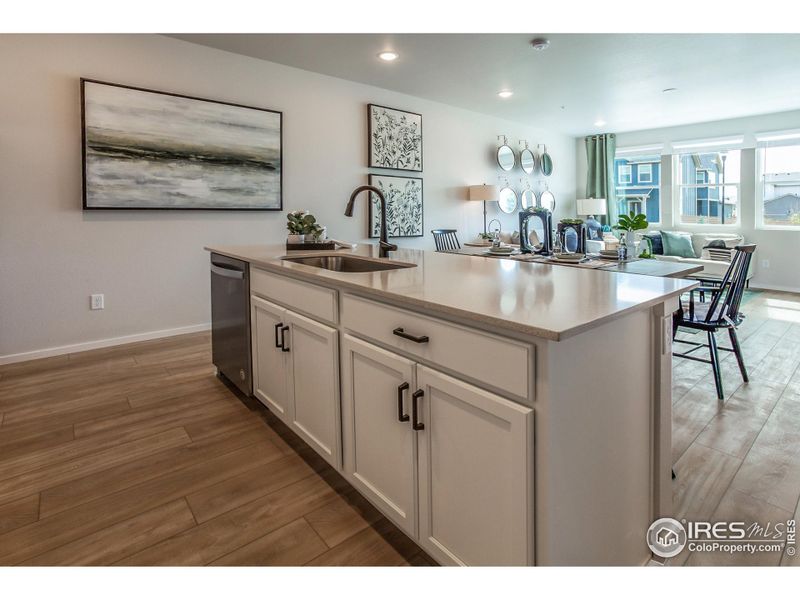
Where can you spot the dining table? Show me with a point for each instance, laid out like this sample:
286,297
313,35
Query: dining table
638,266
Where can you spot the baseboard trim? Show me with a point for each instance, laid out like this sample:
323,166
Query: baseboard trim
777,288
93,345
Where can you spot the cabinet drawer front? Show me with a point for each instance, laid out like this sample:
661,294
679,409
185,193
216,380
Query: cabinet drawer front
487,359
306,298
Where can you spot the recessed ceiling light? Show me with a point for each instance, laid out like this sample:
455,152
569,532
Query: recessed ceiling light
540,44
388,56
505,93
599,123
665,90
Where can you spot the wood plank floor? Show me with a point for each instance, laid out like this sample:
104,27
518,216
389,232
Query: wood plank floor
740,459
139,455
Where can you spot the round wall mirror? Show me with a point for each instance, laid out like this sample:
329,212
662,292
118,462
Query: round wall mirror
547,200
505,157
507,200
527,160
527,199
546,163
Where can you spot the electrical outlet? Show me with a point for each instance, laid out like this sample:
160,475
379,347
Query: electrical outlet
765,263
98,301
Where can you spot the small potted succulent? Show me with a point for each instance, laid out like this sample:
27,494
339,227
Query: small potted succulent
303,227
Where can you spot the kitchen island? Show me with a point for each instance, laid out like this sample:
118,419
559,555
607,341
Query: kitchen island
498,412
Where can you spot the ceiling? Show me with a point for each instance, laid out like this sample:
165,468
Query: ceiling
579,80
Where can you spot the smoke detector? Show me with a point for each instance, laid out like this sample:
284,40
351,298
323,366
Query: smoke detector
540,44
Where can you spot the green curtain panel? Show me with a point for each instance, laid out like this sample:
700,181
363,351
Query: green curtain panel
600,151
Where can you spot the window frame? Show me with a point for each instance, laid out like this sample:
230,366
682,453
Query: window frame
759,195
649,173
629,169
678,187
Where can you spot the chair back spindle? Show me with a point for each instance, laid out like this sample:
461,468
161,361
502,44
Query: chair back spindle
727,302
445,239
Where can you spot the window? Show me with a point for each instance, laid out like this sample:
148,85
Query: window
644,196
707,187
625,176
779,171
634,205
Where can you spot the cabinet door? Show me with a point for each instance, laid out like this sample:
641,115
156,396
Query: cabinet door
380,457
270,363
314,351
475,474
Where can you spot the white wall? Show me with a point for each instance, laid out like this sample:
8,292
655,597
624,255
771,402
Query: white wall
151,265
780,248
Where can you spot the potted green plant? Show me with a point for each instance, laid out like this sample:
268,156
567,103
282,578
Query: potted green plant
628,224
302,227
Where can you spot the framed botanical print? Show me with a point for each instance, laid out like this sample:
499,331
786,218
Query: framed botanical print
403,206
144,149
395,138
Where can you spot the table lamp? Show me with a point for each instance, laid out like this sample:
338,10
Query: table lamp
483,193
591,207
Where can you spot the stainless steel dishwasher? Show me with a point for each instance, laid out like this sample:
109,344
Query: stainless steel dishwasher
230,320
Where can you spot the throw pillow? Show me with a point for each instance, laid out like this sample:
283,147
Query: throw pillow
677,244
655,240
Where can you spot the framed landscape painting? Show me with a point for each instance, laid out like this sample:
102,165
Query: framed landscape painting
395,138
144,149
403,206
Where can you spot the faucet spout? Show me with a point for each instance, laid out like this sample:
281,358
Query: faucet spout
384,246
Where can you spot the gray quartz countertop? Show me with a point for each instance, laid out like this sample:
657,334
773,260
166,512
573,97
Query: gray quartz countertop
547,301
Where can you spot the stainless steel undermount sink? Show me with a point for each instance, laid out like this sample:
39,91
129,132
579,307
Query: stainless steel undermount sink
348,264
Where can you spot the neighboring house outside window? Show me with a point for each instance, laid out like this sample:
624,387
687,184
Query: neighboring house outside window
637,182
779,170
707,185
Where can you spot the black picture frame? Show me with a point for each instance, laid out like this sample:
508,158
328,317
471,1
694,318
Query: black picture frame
371,161
374,211
87,207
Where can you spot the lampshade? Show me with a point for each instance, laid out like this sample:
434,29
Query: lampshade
591,206
483,192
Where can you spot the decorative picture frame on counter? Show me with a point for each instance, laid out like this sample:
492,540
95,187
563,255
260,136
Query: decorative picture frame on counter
404,206
150,150
395,138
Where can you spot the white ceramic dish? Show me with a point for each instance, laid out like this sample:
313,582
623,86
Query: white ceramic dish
569,258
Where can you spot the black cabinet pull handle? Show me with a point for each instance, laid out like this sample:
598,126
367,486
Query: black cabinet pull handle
416,425
401,416
421,339
278,343
284,329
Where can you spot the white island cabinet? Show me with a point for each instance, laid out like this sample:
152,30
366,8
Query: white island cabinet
450,463
499,413
296,373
